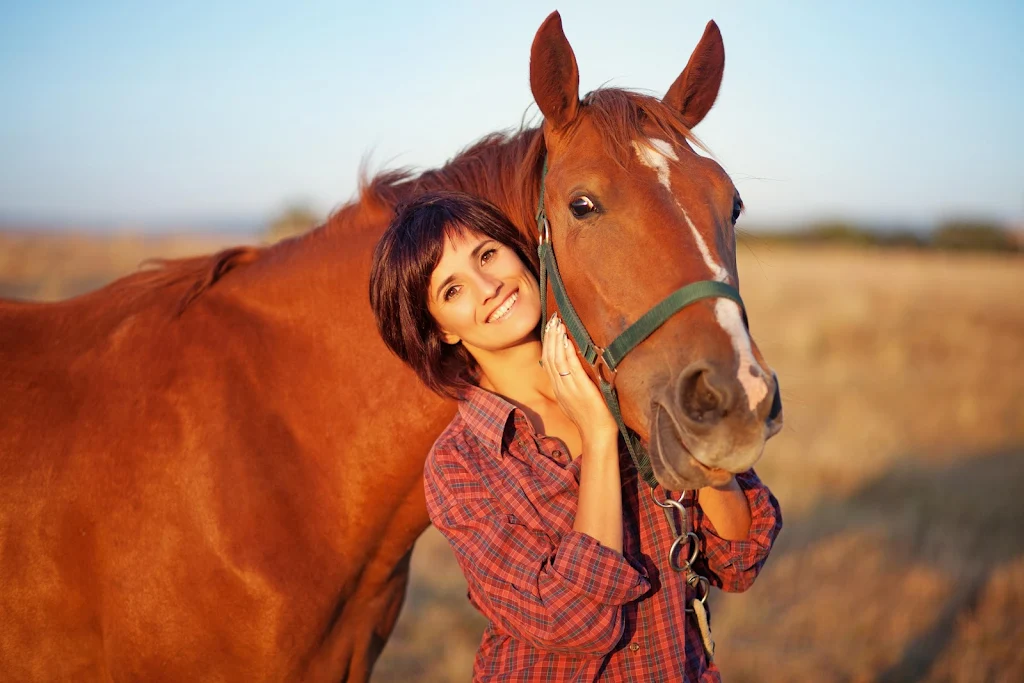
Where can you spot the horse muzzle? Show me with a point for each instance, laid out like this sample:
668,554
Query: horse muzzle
703,428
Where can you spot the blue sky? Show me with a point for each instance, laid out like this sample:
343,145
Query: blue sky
168,113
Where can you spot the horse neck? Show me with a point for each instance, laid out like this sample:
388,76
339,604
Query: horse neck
335,258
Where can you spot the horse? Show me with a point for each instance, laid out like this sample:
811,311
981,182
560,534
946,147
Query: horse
212,469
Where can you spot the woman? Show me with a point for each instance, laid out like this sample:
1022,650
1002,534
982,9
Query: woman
561,552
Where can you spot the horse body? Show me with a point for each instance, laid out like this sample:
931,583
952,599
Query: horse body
184,496
212,470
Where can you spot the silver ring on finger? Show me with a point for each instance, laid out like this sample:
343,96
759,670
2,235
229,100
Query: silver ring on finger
564,374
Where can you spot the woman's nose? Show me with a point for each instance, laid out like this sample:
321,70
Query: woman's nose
489,286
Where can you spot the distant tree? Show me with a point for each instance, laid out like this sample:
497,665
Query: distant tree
294,220
974,235
901,238
838,232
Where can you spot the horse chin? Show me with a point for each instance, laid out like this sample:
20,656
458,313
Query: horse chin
673,465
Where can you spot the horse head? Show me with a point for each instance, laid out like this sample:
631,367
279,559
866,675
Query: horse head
636,214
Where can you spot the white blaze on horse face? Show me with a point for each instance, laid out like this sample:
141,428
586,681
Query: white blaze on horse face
750,375
656,154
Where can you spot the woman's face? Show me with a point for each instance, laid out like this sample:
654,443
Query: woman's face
482,294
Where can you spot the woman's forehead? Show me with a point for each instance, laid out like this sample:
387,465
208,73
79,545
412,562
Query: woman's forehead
461,240
459,244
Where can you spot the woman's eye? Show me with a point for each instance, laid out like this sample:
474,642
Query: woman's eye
450,293
488,255
737,209
581,206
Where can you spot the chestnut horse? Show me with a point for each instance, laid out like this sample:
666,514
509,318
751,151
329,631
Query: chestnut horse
211,470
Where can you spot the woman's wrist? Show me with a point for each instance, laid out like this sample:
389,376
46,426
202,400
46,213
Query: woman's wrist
600,438
600,434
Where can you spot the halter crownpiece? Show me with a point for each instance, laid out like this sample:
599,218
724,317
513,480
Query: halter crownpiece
604,361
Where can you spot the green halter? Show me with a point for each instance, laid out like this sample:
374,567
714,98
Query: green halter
604,361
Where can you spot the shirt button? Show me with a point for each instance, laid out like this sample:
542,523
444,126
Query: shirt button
634,647
557,454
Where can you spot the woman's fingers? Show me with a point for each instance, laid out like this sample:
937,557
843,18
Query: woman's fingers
560,352
547,348
573,359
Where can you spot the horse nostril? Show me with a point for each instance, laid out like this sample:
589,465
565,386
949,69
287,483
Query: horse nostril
702,402
776,409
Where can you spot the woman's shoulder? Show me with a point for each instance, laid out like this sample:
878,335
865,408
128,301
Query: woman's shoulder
453,449
452,440
452,470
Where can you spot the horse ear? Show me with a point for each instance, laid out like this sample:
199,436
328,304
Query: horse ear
696,89
554,77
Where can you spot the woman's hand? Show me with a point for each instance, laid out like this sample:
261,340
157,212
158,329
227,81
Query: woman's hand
575,392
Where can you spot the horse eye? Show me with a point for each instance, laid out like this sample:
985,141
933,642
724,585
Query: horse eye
737,209
581,206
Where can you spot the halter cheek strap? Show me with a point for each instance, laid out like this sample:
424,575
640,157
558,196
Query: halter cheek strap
604,361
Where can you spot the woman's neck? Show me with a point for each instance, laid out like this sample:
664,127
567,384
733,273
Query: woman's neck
516,374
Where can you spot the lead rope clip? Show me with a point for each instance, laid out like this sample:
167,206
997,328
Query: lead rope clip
700,584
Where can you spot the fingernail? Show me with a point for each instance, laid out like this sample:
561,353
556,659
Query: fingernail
565,340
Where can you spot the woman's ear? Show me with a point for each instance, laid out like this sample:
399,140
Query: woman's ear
449,338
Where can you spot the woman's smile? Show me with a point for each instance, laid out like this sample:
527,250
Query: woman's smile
503,311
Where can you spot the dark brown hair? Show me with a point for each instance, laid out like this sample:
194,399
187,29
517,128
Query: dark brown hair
403,261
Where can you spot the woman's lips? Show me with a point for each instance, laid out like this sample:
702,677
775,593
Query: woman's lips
505,309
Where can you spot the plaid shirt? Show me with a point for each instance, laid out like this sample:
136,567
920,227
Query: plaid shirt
561,606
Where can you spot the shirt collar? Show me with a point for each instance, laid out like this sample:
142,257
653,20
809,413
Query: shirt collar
485,414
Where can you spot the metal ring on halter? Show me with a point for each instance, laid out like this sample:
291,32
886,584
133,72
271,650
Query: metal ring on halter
545,235
698,580
669,503
688,536
603,370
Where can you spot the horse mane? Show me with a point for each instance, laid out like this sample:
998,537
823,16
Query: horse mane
195,274
505,167
502,167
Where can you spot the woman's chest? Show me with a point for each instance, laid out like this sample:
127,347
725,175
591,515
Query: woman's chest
537,481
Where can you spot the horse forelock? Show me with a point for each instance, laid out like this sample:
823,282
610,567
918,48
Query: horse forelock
624,116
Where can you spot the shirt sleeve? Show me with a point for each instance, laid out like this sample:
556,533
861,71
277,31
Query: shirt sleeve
733,565
563,596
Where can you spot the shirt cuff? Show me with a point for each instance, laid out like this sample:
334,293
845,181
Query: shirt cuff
764,518
600,573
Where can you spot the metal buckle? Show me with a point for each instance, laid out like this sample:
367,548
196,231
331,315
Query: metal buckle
545,234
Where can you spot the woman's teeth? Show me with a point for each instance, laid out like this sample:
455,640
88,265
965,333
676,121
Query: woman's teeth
503,310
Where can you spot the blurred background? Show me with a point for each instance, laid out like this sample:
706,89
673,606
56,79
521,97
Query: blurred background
880,154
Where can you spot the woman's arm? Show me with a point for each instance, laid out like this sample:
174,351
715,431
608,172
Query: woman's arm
730,560
564,597
727,509
599,511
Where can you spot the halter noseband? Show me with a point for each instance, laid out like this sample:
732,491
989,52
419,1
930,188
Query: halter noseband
604,361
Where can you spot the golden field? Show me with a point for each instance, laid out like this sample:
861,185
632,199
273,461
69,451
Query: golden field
900,469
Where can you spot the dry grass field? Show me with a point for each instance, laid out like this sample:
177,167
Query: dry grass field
900,469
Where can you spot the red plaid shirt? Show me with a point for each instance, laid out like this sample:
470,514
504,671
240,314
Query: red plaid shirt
561,606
